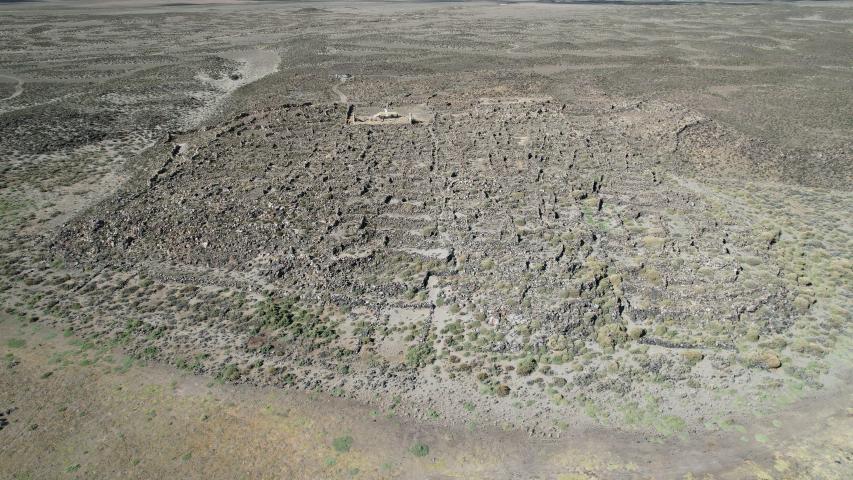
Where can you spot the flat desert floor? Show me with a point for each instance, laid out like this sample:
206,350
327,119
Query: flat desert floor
426,240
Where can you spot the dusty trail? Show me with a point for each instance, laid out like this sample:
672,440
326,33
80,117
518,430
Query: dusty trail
341,97
255,64
19,87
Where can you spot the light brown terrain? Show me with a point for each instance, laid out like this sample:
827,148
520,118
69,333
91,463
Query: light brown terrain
83,411
426,240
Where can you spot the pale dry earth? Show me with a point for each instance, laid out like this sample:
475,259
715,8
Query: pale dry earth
83,411
525,241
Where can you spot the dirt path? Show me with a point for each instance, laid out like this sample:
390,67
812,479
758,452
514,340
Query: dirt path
76,410
19,87
255,64
341,97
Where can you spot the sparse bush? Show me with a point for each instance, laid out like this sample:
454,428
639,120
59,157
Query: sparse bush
557,343
652,275
342,444
611,335
637,333
526,366
420,449
763,359
693,356
752,335
229,373
420,355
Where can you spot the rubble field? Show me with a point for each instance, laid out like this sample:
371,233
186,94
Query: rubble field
528,256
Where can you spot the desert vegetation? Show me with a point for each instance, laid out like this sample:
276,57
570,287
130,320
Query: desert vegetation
516,222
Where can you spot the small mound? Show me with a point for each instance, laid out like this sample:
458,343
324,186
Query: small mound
499,243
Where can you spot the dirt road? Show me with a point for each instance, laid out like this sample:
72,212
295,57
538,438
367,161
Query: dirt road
19,87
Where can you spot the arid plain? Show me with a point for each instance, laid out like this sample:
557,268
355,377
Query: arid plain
426,240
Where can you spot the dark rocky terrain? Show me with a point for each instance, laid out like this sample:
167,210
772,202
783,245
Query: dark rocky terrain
536,249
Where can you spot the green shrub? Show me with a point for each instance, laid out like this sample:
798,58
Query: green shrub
763,359
420,449
420,355
229,373
526,366
637,332
278,313
610,335
342,444
693,356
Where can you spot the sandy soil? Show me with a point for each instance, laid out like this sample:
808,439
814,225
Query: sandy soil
89,87
252,66
75,410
